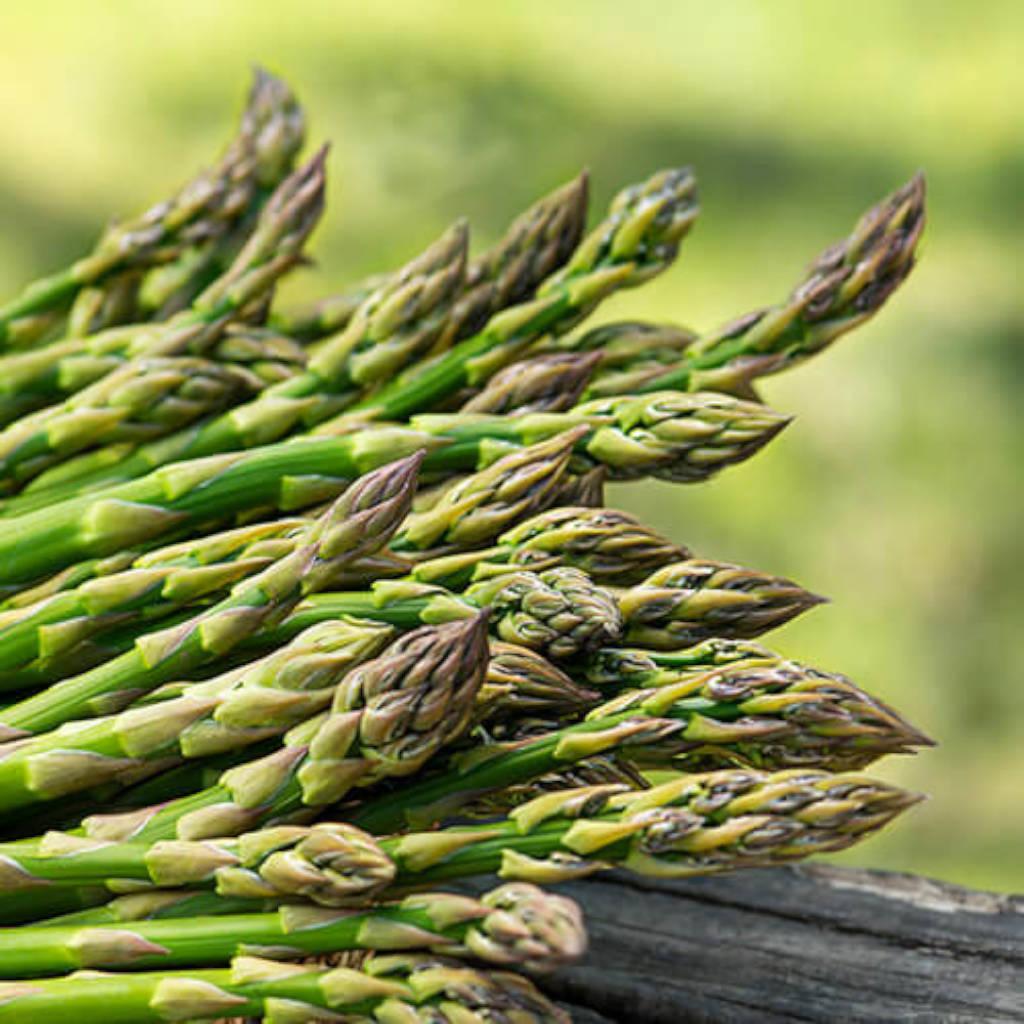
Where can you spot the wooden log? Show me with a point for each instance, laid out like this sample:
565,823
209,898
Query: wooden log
809,943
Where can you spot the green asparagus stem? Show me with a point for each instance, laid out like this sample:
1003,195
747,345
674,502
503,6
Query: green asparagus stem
387,718
686,602
230,711
47,629
143,400
773,716
679,437
270,134
395,324
672,436
516,924
636,241
694,824
32,379
546,383
403,987
539,241
358,523
845,287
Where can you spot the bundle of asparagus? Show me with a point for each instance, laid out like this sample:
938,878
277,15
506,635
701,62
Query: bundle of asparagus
305,611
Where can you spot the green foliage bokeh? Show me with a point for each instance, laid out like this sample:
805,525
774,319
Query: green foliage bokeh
897,491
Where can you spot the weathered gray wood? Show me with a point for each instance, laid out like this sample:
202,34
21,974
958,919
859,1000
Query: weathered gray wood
810,943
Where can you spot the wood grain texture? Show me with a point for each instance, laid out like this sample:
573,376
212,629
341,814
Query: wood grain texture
809,943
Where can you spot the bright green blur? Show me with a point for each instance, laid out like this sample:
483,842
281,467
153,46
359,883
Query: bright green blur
897,489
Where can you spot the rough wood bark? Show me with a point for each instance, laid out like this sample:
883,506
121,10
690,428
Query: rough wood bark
810,943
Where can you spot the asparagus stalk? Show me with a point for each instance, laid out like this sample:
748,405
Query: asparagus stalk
358,523
844,287
516,924
679,437
695,824
559,613
312,322
672,436
610,546
387,718
232,710
32,379
476,509
406,315
770,716
636,241
686,602
535,246
270,134
396,323
66,627
255,353
46,629
143,400
402,987
629,353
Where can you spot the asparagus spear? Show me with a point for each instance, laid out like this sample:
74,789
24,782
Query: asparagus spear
66,627
403,987
537,242
636,241
769,716
522,682
46,628
394,324
694,824
270,134
545,383
256,353
387,717
683,603
672,436
516,924
476,509
535,246
357,523
232,710
610,546
144,399
558,613
844,287
315,321
32,379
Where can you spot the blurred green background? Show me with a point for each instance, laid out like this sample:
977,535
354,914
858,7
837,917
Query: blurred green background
897,492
